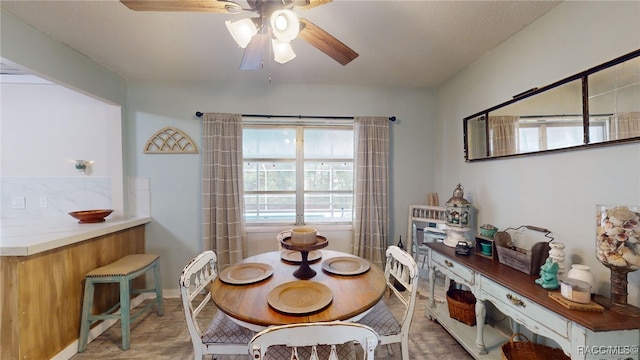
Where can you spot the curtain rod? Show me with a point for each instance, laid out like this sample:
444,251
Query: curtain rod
391,118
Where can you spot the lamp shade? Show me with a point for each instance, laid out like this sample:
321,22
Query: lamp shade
242,30
285,25
282,51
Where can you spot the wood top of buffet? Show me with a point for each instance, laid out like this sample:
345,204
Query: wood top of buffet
525,285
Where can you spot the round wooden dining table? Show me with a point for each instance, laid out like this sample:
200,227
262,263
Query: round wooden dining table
248,305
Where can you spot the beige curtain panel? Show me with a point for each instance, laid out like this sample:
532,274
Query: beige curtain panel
504,135
371,222
223,228
624,125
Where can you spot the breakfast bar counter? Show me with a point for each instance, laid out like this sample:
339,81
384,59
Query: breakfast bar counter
20,237
42,269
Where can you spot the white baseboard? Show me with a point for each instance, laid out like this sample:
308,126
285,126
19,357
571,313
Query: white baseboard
72,349
171,293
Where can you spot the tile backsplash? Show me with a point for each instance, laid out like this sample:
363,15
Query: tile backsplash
45,197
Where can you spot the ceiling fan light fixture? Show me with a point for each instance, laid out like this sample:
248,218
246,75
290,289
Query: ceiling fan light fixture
285,25
282,51
242,30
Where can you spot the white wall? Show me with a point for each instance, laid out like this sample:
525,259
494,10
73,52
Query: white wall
46,127
555,191
175,179
23,45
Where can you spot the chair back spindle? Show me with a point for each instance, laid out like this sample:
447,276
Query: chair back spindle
314,341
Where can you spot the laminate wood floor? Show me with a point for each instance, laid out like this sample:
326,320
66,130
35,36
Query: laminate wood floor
166,338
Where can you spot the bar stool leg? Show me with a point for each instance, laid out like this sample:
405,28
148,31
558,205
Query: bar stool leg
125,316
85,322
158,285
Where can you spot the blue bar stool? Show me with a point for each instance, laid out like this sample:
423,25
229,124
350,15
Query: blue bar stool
122,271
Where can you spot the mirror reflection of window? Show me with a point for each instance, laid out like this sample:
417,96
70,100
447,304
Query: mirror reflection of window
503,135
552,118
614,100
476,139
546,121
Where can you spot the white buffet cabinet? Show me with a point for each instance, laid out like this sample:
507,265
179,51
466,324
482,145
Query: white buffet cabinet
581,334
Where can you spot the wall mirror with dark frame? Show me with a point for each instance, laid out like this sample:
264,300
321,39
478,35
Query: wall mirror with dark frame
599,106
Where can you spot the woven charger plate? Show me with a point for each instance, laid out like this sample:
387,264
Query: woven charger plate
246,273
300,297
346,265
296,257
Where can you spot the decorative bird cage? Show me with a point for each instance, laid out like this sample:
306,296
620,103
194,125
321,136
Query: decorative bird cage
458,217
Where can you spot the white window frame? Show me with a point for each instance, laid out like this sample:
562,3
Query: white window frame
544,123
300,124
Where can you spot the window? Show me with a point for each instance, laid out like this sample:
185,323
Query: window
298,173
554,133
547,133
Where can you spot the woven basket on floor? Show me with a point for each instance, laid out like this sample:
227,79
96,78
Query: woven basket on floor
527,350
462,306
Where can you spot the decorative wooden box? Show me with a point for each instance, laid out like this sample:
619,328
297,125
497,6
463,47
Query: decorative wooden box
519,259
527,261
486,241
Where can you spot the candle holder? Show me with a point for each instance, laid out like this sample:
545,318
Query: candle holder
304,272
618,248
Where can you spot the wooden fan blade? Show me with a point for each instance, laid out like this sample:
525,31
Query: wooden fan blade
214,6
252,57
308,4
326,43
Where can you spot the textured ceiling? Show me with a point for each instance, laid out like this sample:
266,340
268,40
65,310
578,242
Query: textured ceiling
401,43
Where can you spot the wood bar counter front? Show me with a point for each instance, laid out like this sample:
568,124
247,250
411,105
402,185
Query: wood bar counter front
41,296
352,294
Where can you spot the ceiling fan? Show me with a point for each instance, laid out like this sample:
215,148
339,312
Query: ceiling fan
276,22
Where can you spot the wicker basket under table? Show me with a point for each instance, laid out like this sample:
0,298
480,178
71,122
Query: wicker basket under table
527,350
462,306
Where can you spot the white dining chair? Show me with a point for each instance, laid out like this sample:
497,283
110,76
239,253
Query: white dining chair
314,341
401,271
222,335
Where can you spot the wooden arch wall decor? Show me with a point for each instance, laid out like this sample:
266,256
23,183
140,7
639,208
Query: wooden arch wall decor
170,140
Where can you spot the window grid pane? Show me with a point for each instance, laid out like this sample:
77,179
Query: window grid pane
270,176
265,207
277,175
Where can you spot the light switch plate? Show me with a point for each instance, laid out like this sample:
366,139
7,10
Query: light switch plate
18,202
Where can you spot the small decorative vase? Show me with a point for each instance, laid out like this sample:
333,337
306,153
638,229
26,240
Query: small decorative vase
557,255
582,273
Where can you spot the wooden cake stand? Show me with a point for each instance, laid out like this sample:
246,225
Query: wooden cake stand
304,271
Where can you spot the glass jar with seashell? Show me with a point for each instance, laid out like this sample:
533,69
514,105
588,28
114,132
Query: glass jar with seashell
618,248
